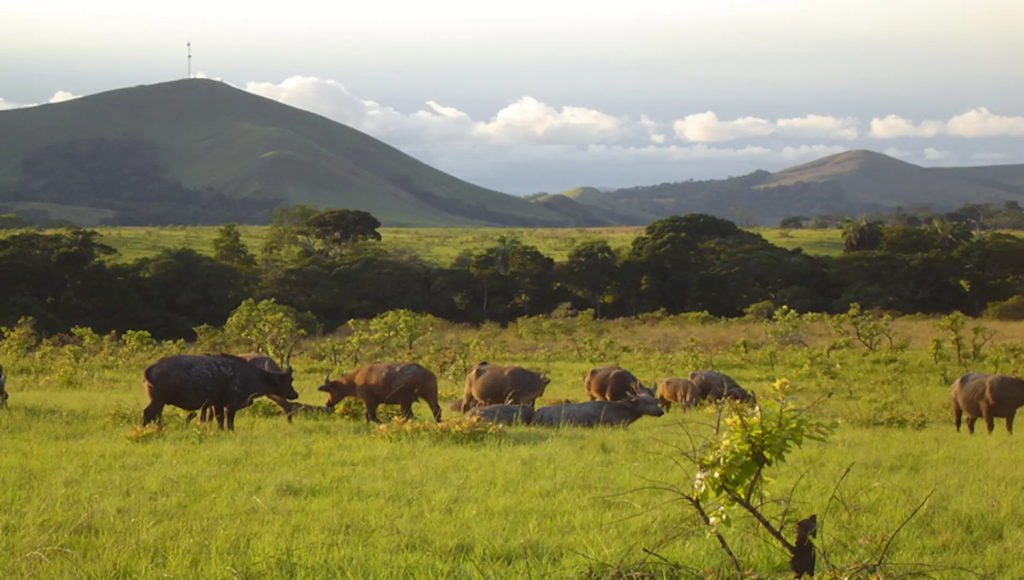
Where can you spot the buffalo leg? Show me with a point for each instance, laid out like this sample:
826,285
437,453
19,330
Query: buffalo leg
371,411
990,421
1009,421
152,413
958,415
219,413
406,406
970,424
436,410
230,416
666,405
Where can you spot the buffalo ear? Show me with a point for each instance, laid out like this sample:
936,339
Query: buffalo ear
324,388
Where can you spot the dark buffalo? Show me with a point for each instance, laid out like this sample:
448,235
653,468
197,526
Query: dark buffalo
383,384
289,408
714,386
594,413
504,414
224,382
613,384
489,384
3,389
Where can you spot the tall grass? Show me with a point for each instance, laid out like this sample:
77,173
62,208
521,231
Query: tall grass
327,498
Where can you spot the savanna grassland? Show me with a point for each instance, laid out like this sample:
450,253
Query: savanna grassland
440,245
85,495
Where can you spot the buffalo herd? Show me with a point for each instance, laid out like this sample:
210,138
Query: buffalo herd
218,385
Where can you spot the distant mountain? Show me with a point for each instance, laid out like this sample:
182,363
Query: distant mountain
145,151
853,182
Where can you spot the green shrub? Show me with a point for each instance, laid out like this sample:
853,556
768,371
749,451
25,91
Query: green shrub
1012,309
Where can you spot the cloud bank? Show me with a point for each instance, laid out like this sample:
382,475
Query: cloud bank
979,122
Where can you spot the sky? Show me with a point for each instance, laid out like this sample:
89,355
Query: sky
544,95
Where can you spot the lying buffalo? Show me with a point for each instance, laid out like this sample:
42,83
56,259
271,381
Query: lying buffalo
987,397
225,382
595,413
676,390
714,386
504,414
489,384
613,384
385,384
3,389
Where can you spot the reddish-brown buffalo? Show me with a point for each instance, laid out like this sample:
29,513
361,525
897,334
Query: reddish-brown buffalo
388,383
489,384
676,390
613,384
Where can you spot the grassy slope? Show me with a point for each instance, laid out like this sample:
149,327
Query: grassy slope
325,499
609,206
1012,175
440,245
876,178
214,135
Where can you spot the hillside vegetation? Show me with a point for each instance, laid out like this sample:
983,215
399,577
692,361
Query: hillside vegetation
202,152
211,136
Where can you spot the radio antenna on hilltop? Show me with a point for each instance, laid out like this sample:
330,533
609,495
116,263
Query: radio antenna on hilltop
189,45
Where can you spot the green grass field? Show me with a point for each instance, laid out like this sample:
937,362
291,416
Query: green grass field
438,244
326,498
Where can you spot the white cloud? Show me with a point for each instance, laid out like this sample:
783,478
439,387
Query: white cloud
527,120
61,96
990,156
58,97
897,153
981,122
894,126
706,127
819,126
936,155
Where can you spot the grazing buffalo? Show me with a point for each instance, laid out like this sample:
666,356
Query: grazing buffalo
613,384
714,386
595,413
489,384
988,397
504,414
385,384
225,382
676,390
3,390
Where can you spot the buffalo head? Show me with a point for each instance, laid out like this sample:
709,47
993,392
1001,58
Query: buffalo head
336,390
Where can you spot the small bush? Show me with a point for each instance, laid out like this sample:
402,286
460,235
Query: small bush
469,430
151,432
353,408
888,413
1012,309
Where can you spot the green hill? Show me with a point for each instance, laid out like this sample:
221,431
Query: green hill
613,209
873,178
211,136
852,182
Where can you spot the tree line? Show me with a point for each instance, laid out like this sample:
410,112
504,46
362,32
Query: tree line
330,265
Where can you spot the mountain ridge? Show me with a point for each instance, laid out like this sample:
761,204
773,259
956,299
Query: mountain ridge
233,153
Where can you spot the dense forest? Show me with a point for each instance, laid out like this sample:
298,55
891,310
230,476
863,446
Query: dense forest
329,265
